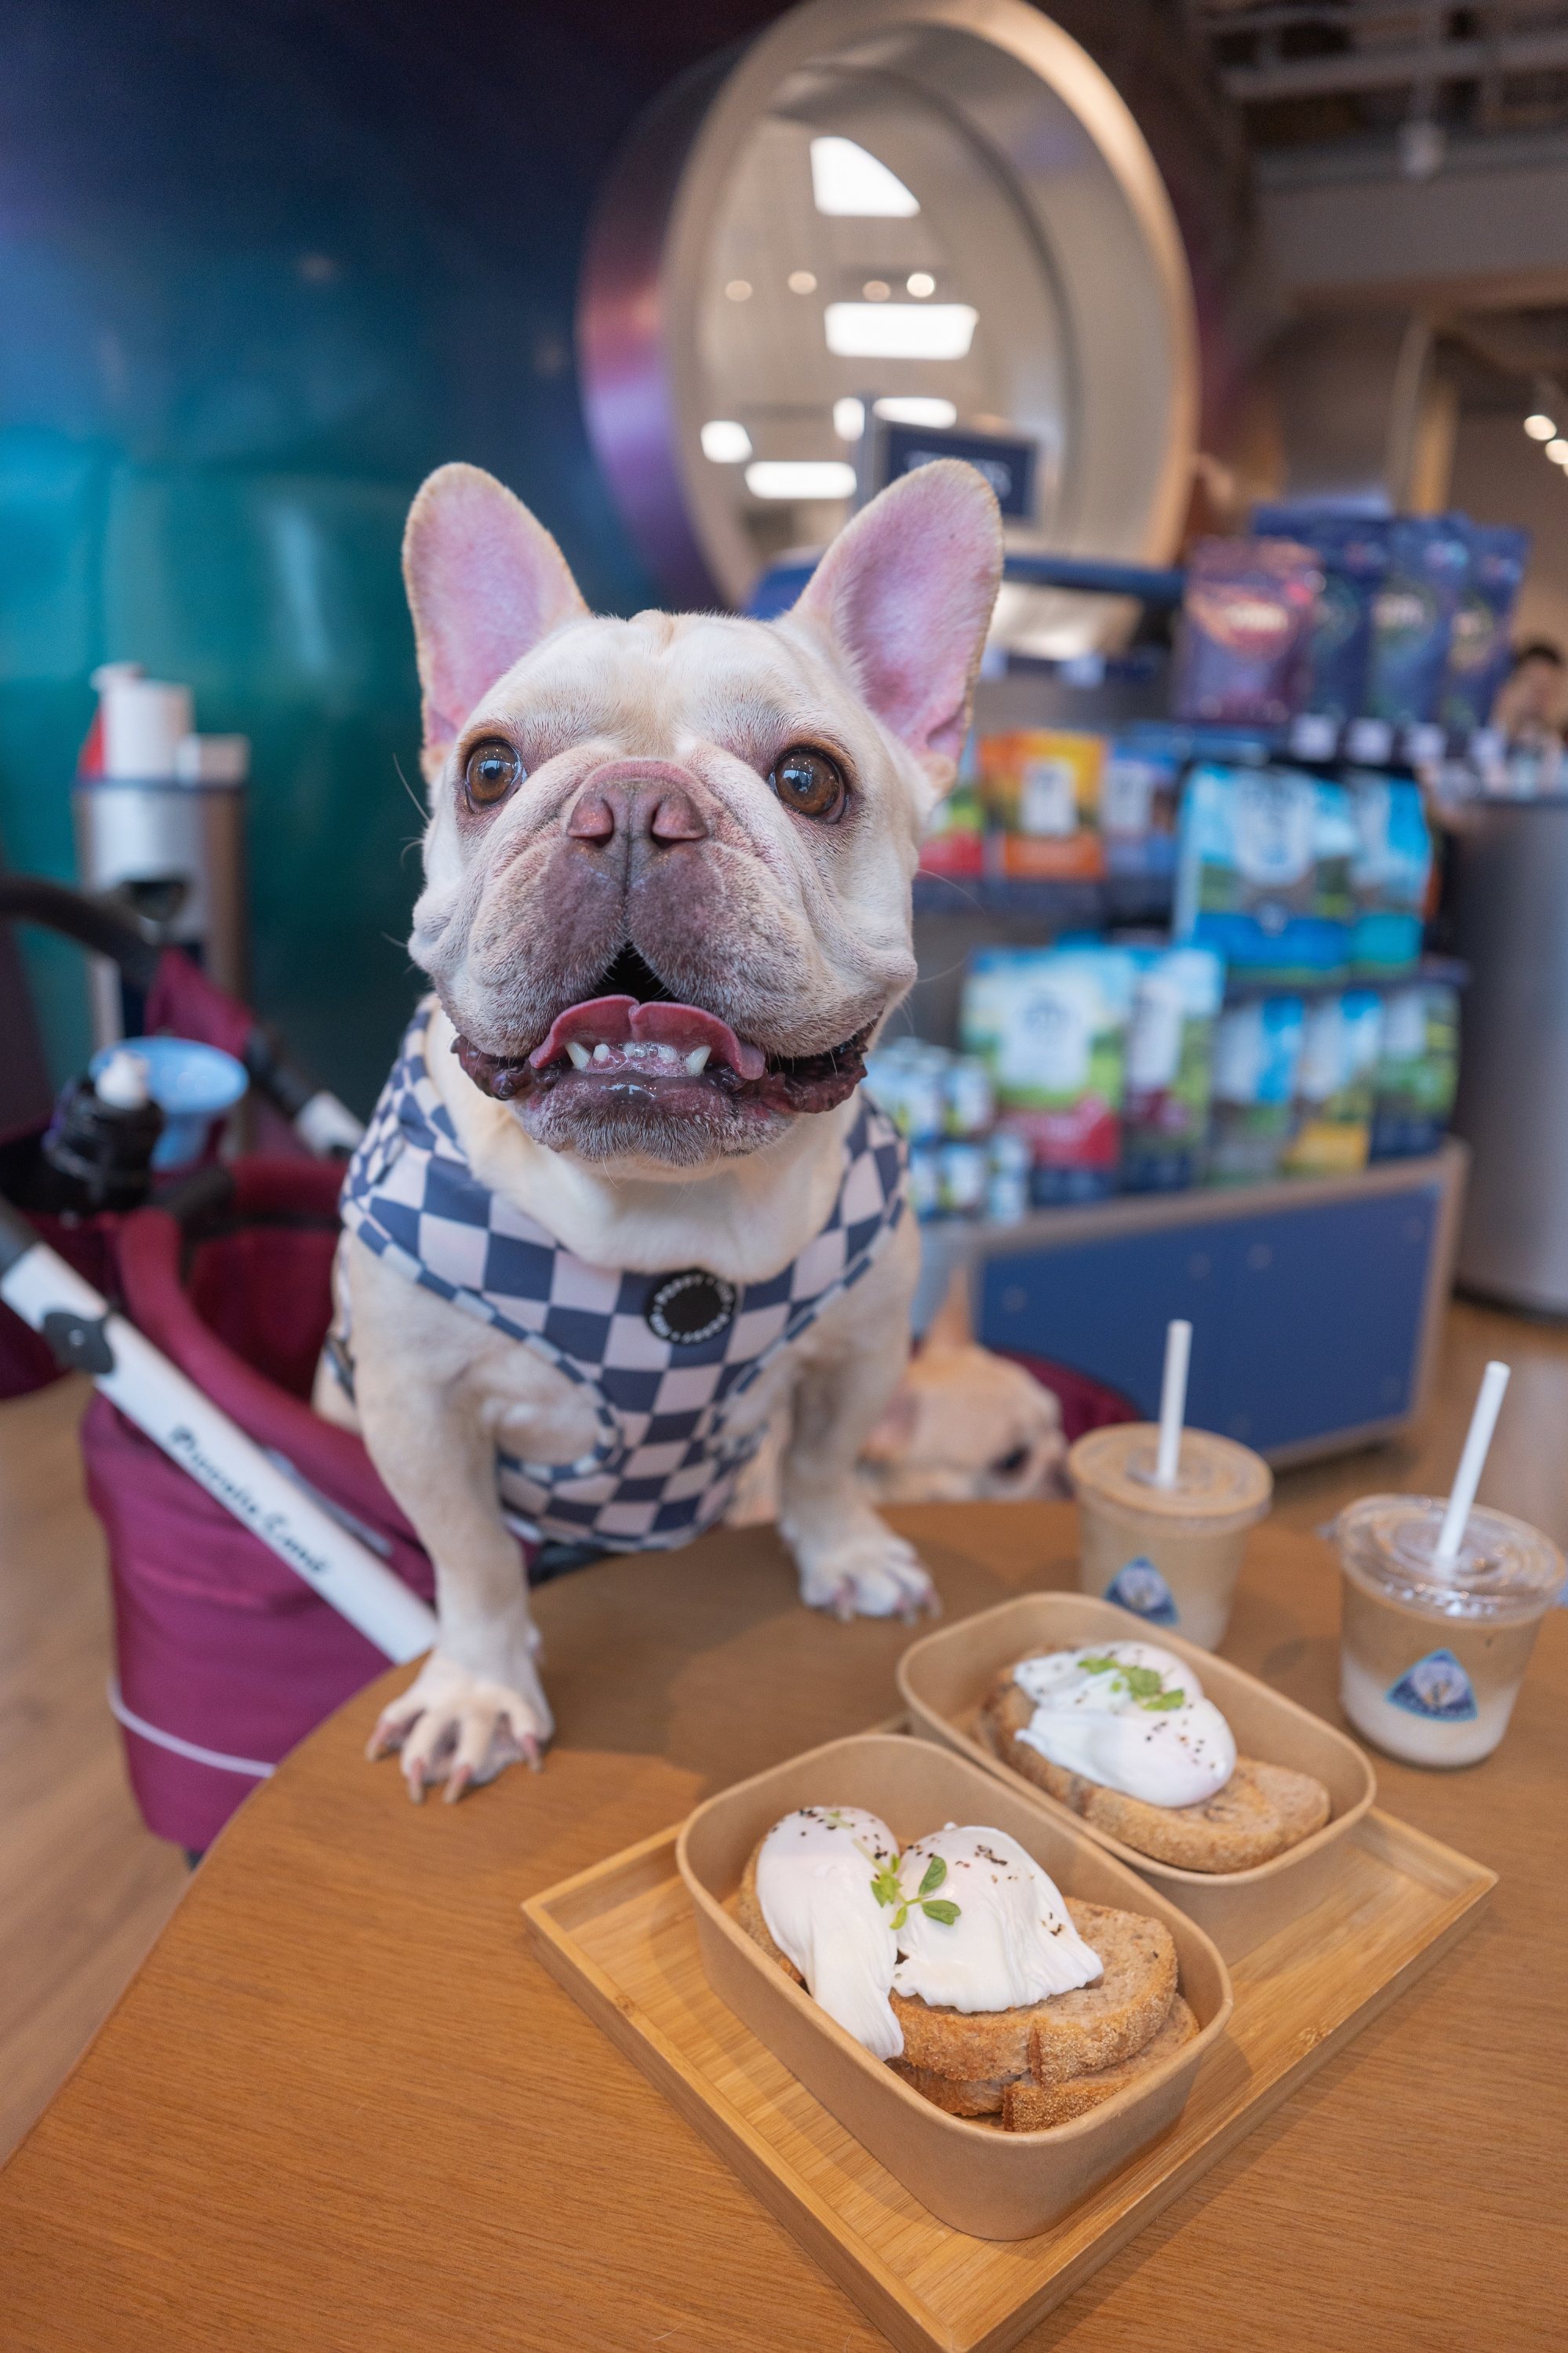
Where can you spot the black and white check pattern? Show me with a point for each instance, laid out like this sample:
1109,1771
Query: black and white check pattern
665,1464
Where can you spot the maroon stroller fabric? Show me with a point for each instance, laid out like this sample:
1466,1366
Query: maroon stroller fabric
225,1658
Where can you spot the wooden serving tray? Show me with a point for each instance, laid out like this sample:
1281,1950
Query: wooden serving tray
620,1938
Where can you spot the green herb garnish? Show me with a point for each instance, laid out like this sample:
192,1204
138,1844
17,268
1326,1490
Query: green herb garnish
1143,1684
886,1888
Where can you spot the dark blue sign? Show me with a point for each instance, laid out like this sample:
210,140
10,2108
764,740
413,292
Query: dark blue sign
1007,464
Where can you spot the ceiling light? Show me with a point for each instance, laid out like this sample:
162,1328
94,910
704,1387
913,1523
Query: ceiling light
847,182
725,441
801,477
920,283
875,290
739,289
802,281
916,408
899,330
1539,427
849,418
1558,452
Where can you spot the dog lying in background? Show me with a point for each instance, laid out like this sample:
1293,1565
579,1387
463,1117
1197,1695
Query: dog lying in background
965,1426
620,1205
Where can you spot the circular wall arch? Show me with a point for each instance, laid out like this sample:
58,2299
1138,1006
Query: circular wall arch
1033,206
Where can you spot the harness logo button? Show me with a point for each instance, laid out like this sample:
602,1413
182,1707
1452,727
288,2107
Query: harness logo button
690,1307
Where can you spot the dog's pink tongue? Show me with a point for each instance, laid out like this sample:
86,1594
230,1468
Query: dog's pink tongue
617,1020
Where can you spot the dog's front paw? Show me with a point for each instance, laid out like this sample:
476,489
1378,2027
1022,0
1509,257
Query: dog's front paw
863,1570
463,1728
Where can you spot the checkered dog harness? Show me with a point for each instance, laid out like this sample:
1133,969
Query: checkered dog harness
664,1357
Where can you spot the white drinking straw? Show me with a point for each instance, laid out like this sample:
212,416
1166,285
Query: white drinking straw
1472,1463
1172,1401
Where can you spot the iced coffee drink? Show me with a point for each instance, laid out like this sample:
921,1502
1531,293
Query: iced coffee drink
1171,1555
1431,1657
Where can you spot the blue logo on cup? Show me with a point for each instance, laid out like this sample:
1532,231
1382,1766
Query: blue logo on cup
1137,1585
1435,1685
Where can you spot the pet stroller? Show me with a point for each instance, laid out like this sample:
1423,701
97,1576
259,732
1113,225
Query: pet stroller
225,1657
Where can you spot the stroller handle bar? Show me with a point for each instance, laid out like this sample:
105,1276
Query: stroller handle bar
106,926
87,1335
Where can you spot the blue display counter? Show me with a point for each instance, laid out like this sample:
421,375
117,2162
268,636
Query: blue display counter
1315,1303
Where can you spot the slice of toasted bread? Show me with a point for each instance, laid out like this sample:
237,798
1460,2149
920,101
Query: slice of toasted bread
960,2095
1094,2026
1029,2107
1261,1811
1025,2105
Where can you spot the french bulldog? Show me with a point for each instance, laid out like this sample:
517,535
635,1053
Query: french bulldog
666,908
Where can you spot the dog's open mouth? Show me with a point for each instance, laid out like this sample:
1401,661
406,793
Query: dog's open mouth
635,1040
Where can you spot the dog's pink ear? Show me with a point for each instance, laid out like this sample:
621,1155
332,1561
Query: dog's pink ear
905,592
486,583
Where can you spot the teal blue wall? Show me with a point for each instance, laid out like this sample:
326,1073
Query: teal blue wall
261,269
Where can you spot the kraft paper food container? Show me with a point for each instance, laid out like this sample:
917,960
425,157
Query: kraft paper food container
972,2175
944,1680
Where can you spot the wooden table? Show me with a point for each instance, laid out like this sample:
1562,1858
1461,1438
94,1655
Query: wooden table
343,2106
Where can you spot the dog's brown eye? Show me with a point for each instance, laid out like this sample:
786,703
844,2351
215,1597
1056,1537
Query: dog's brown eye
490,770
808,782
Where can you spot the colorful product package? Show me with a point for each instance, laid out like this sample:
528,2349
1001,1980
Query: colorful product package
1417,1071
1413,617
1389,872
1334,1083
1170,1068
1262,870
1480,647
1139,793
954,840
1243,644
1041,786
1351,550
1258,1045
1051,1024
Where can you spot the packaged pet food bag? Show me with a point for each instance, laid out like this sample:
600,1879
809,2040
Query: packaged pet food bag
1244,641
1258,1045
1417,1071
1351,551
1140,790
954,840
1334,1083
1480,647
1170,1068
1413,618
1390,871
1262,870
1041,786
1055,1019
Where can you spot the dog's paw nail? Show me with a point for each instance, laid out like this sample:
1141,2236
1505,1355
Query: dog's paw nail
530,1756
457,1781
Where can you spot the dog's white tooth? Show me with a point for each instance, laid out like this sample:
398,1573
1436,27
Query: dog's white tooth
579,1055
600,1052
668,1054
695,1060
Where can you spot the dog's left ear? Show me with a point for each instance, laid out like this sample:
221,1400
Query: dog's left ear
905,593
486,583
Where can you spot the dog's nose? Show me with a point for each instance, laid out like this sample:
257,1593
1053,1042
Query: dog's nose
654,811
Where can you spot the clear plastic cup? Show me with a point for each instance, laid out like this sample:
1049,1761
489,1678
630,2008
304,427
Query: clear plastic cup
1171,1555
1431,1659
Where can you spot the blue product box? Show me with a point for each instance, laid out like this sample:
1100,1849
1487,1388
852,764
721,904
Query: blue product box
1480,649
1413,617
1352,549
1262,870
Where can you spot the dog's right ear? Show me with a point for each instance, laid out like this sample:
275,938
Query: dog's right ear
486,583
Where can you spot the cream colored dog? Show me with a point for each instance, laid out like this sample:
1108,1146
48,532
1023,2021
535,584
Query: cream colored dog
667,906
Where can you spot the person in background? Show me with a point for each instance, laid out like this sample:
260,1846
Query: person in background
1528,708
